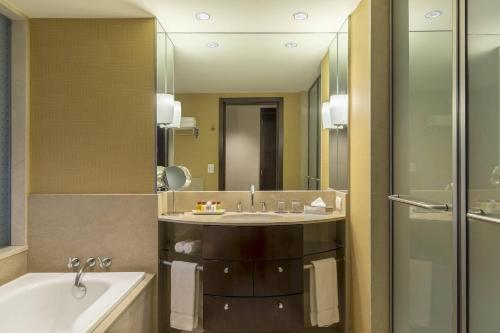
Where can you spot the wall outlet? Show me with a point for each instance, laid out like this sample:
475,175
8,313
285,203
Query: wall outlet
211,168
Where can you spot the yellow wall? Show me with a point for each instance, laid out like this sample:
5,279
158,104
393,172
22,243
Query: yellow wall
359,171
325,133
369,166
92,105
196,154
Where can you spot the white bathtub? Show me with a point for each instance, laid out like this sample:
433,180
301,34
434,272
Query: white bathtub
44,303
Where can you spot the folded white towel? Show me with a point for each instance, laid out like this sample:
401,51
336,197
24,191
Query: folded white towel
324,293
184,296
179,247
192,246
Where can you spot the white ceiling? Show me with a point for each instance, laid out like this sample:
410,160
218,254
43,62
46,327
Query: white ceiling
247,62
227,15
243,62
418,8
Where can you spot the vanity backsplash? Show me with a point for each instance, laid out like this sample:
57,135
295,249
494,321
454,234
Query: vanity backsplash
186,201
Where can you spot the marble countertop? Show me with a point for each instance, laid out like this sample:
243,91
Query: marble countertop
252,219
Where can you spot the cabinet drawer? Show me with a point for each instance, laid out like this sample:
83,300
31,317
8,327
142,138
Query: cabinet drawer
227,278
266,314
266,242
278,277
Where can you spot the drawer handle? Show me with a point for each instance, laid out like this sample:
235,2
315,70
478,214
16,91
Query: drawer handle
280,269
226,306
280,305
226,270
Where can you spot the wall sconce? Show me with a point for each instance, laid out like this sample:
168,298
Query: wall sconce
176,120
326,116
164,109
339,107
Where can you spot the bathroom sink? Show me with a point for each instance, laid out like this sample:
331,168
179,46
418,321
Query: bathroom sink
251,216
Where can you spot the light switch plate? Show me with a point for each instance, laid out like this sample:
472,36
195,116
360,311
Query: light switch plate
211,168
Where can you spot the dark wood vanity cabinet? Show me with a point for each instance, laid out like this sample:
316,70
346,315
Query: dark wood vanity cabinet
252,243
278,277
253,277
228,278
253,314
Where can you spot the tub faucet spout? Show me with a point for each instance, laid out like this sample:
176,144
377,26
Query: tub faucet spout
89,264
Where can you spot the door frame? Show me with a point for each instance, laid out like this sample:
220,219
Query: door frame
223,103
318,136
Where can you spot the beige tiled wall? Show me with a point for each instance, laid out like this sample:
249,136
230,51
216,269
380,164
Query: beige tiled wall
186,201
121,226
13,266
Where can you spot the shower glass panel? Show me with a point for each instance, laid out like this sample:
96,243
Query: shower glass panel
422,256
483,125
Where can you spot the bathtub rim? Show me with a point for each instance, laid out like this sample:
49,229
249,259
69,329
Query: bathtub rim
125,303
117,309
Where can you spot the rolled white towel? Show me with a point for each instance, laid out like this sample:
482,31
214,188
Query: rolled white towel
179,247
192,246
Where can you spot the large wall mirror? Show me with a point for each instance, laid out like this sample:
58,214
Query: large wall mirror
165,53
339,86
251,108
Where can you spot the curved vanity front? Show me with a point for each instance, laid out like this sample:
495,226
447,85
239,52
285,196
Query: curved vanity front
255,267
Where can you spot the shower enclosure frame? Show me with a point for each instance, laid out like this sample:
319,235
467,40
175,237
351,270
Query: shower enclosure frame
459,168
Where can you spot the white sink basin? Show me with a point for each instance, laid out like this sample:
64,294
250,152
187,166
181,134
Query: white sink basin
251,216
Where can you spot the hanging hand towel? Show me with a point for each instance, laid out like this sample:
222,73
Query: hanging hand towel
184,296
324,293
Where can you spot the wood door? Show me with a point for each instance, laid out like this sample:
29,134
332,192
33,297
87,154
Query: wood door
268,149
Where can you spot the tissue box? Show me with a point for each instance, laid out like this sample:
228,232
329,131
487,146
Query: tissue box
314,210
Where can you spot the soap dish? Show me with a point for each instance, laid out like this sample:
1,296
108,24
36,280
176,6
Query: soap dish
200,212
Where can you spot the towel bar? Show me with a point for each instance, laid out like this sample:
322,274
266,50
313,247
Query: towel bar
169,263
200,268
306,267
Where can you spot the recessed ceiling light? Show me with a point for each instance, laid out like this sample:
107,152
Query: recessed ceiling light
291,45
301,16
433,14
213,45
203,16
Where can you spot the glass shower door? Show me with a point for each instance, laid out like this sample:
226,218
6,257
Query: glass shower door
423,160
483,192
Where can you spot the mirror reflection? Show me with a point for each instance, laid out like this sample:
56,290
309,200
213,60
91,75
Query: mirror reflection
262,109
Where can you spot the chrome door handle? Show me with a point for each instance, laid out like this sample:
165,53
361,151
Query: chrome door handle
421,204
480,215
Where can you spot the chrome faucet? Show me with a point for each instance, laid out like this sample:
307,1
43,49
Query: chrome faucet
78,279
252,198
